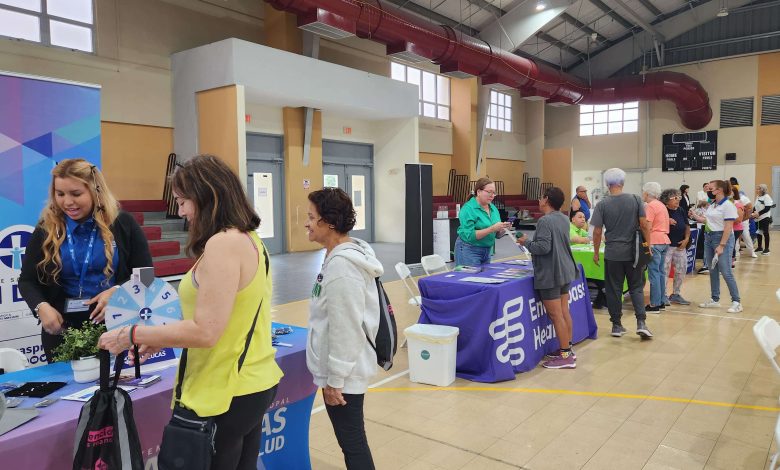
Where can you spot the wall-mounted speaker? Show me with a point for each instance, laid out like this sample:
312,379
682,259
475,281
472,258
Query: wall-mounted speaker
730,157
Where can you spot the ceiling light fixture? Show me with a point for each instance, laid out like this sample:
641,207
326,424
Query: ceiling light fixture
723,12
540,5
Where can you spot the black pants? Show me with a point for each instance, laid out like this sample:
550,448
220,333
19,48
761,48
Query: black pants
239,430
349,426
614,274
763,226
737,238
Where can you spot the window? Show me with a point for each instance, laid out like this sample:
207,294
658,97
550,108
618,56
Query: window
601,119
434,90
500,112
63,23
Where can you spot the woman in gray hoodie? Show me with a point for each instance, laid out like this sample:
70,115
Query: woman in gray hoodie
344,311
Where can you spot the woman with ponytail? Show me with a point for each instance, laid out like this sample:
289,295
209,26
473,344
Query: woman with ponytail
83,247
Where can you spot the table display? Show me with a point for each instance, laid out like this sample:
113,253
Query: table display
504,328
46,442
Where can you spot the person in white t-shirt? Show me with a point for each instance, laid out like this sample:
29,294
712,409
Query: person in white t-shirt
719,243
762,212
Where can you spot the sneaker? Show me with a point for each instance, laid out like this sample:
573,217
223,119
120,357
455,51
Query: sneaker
678,299
753,255
703,270
666,303
710,304
653,308
561,362
766,253
557,354
642,330
618,330
736,307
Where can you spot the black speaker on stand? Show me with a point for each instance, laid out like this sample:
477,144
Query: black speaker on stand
419,212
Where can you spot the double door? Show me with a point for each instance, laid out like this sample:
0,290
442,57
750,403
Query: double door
349,166
265,187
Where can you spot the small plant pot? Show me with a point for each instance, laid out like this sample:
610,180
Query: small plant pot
86,369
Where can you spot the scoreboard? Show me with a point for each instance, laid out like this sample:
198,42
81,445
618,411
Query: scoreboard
689,151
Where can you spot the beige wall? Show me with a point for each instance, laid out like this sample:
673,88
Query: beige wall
557,169
508,171
441,171
221,126
767,137
132,58
134,159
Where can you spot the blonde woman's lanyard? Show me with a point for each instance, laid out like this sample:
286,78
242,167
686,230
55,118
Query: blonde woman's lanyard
87,257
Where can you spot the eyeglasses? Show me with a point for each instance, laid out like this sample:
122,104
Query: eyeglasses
492,193
675,198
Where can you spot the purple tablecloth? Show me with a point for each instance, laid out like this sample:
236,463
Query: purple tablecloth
47,441
504,328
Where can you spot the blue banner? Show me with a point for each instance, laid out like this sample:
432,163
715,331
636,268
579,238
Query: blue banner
504,328
41,123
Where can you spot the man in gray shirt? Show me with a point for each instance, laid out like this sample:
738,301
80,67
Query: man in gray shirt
621,215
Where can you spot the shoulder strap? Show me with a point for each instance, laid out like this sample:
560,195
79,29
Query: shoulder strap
183,360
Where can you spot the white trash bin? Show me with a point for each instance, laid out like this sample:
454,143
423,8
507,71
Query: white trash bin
432,353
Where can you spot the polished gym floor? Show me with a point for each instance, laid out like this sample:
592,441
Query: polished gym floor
699,395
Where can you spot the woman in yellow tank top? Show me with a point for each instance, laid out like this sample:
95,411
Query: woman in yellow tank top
226,292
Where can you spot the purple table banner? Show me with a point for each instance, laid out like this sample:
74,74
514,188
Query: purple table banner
47,441
504,328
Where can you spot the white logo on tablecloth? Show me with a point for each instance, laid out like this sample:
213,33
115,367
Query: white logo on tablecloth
511,334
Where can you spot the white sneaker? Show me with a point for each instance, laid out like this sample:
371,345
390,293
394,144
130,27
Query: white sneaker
710,304
736,307
753,255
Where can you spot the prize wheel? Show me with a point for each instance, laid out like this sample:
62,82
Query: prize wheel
135,304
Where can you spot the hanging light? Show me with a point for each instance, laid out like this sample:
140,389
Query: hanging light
540,5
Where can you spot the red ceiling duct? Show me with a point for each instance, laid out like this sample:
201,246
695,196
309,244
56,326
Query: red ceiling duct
460,55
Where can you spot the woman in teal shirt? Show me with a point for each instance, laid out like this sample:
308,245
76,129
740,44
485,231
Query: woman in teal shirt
479,223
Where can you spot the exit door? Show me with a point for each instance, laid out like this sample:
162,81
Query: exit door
349,166
265,187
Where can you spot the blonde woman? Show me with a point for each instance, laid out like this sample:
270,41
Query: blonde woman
82,248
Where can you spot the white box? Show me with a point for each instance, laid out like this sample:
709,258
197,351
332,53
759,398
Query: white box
432,353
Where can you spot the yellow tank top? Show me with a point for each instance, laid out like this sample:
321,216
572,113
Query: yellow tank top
211,377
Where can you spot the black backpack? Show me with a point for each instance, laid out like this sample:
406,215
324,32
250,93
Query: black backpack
385,344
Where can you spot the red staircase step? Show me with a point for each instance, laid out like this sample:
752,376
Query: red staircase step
442,198
171,267
164,248
152,232
515,196
450,213
139,217
144,206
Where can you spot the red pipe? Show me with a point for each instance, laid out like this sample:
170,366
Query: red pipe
455,51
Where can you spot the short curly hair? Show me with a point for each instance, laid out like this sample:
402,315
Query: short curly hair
335,208
667,194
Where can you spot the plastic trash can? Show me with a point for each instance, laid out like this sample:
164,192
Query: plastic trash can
432,353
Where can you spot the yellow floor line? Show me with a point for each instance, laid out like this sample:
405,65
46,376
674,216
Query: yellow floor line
577,393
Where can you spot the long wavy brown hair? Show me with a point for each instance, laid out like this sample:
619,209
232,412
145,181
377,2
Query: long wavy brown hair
219,199
105,209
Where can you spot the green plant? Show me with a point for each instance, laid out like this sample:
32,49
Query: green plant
78,343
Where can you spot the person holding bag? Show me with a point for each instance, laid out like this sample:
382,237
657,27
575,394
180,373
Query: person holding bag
625,255
82,248
227,374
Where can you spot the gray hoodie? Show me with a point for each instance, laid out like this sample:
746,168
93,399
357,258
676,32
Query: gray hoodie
344,299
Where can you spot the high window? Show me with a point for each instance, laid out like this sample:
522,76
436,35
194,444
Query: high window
500,112
602,119
62,23
434,90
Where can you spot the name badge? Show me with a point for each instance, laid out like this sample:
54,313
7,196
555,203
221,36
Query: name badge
76,305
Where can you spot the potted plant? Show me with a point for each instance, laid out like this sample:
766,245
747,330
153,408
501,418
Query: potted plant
79,346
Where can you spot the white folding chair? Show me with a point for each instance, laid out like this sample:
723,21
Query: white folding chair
433,264
406,276
12,360
777,442
767,332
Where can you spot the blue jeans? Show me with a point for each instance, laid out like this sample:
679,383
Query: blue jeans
655,271
470,255
723,268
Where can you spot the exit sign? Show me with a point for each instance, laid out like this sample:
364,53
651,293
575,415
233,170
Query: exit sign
346,130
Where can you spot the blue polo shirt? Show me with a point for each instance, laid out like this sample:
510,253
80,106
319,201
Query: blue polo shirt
94,280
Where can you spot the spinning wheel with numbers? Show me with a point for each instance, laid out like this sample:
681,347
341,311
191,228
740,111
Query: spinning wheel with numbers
134,303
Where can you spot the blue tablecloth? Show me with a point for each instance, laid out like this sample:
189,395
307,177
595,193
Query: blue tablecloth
46,442
504,328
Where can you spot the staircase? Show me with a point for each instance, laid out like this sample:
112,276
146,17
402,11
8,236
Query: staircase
166,236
